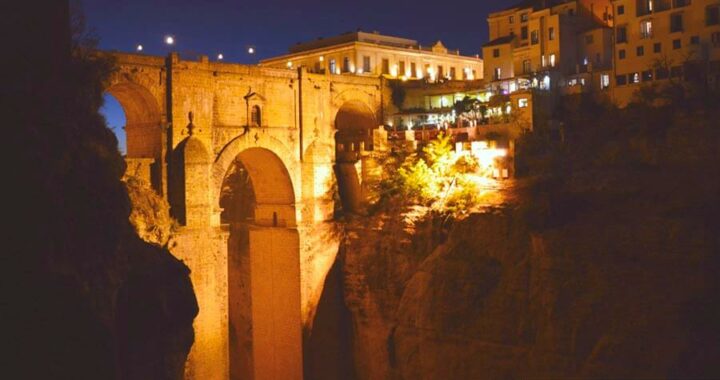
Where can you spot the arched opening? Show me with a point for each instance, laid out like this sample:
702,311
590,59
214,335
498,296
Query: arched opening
142,119
257,204
114,115
354,124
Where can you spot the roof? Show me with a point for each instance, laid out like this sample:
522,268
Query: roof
500,41
359,36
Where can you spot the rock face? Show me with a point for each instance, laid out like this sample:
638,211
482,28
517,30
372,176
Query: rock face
83,296
623,292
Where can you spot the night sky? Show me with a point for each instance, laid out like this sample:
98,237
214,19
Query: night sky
271,26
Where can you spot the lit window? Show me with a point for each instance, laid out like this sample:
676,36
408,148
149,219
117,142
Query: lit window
646,29
522,103
604,81
542,61
552,60
524,17
498,73
635,78
333,66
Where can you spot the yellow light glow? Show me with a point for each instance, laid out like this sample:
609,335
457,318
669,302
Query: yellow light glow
394,70
321,58
289,64
360,70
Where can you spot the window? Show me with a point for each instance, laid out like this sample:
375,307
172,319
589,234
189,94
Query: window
694,40
640,50
621,80
621,9
401,68
657,47
604,81
522,103
524,17
452,73
333,66
526,66
366,64
621,34
496,53
385,66
497,73
676,22
542,61
534,39
511,19
256,116
662,73
621,54
413,69
441,72
552,60
524,33
588,39
647,75
712,15
676,72
715,38
346,65
680,3
677,44
635,78
646,29
551,34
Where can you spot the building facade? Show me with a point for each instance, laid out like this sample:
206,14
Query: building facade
374,54
661,40
547,41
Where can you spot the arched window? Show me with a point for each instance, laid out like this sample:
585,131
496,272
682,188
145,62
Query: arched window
256,116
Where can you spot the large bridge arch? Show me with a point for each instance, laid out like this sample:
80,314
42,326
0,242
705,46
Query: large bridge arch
141,100
257,199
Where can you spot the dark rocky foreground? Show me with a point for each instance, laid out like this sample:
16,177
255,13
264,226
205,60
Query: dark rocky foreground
83,296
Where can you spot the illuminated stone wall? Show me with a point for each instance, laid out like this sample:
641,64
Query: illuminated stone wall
191,117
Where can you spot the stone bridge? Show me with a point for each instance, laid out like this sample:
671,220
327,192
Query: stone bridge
246,157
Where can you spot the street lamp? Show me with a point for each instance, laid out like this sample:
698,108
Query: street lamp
169,40
220,57
251,50
139,48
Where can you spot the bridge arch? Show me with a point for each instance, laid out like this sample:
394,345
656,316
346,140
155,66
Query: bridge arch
257,199
354,124
143,118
